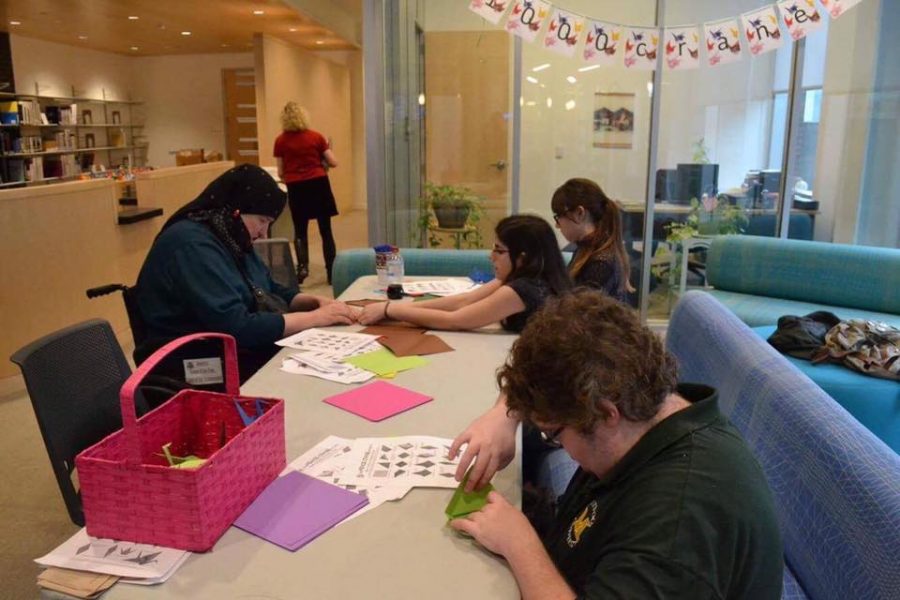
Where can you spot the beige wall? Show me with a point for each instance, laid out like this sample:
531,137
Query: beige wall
183,102
284,73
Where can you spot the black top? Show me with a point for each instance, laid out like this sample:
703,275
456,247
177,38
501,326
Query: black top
686,513
533,292
601,272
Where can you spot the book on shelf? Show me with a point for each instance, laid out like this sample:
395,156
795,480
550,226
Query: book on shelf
34,171
29,112
9,113
15,170
51,115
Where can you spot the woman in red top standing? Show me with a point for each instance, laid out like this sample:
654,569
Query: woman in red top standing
303,157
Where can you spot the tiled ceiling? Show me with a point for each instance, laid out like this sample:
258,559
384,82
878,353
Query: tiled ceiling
158,27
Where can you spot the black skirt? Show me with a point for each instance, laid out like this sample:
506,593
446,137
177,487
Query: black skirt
311,199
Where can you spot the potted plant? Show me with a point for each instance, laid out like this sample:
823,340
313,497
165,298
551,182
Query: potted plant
450,207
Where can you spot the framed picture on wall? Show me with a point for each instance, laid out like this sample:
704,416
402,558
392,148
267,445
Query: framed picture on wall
86,117
613,120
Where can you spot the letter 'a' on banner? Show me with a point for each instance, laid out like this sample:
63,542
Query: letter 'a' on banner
641,44
563,32
800,17
682,47
490,10
836,8
723,42
761,30
526,18
602,43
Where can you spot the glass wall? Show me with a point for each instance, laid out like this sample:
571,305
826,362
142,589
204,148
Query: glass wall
798,142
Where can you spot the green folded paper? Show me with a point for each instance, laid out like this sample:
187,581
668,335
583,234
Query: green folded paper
463,503
383,362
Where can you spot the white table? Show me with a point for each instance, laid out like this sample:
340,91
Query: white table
397,551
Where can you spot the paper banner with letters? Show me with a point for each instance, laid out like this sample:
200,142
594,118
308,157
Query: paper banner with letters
800,17
641,44
563,33
761,30
682,47
836,8
527,17
601,45
490,10
723,42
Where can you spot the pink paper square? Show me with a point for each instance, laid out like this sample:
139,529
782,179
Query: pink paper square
378,401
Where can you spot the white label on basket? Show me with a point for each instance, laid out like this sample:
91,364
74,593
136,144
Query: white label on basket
203,371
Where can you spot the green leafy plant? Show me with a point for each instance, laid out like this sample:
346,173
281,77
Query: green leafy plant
699,152
467,206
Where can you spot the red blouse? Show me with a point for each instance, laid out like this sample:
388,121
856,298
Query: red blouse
301,154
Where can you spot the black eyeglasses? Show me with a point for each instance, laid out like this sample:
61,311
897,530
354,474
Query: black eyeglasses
552,438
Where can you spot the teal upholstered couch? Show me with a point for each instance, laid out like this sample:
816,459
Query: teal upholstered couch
761,279
349,265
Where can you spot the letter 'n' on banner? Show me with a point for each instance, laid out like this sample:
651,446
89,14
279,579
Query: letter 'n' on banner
761,30
723,42
682,47
563,32
800,17
602,43
526,18
836,8
641,44
489,10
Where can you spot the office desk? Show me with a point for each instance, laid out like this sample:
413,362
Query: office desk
397,551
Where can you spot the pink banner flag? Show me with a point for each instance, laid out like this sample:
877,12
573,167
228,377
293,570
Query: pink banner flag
564,32
836,8
682,47
527,17
800,17
490,10
761,30
602,43
641,44
723,42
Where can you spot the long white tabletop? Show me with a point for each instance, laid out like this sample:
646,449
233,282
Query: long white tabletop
400,550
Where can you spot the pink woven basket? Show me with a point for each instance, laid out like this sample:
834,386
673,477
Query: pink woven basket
129,492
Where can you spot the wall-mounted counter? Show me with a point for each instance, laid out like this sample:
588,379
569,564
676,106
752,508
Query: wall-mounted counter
57,241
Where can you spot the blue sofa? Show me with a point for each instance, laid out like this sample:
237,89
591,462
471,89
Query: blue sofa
761,279
836,485
349,265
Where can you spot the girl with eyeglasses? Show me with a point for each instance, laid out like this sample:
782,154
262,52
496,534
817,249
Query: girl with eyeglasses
529,269
586,216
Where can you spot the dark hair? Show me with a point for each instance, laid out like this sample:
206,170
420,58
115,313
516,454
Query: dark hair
579,349
533,251
605,212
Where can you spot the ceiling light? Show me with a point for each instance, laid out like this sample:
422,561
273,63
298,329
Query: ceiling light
589,68
541,67
82,37
224,45
185,33
570,105
133,17
531,79
531,103
319,42
259,12
549,102
135,48
292,29
571,79
421,99
15,22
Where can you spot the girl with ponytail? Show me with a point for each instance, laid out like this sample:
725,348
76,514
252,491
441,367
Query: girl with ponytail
586,216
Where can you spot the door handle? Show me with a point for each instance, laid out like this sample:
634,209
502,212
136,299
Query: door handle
500,165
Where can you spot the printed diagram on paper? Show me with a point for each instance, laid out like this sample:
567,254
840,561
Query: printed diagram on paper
440,287
326,366
339,344
411,460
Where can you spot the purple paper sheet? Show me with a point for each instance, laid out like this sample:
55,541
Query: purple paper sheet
296,508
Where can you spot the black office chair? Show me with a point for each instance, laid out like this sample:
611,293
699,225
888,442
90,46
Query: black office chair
276,254
73,377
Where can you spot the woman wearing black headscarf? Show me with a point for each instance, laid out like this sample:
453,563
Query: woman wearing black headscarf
202,274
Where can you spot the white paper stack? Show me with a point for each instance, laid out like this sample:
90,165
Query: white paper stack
440,287
323,352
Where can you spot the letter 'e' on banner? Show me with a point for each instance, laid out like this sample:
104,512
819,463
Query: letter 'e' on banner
563,32
681,46
602,43
526,18
723,42
800,17
489,10
761,30
641,44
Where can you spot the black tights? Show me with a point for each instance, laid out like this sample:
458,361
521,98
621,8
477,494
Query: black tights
301,227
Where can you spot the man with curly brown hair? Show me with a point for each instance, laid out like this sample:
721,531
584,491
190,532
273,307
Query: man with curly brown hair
668,501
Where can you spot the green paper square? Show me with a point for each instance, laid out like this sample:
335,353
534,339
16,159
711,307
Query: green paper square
383,362
463,503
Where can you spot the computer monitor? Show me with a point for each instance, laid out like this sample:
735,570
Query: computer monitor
666,184
694,180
